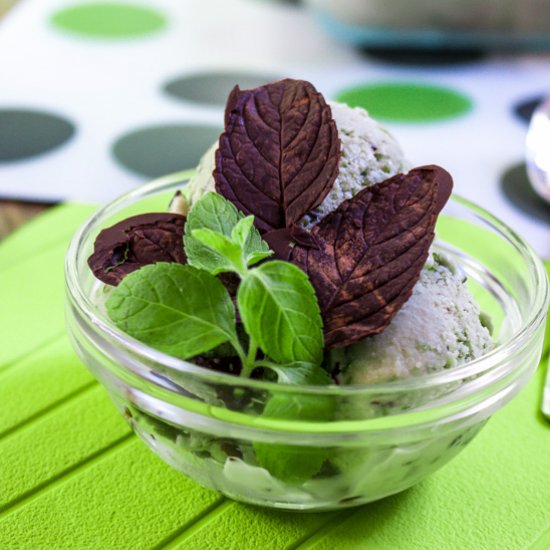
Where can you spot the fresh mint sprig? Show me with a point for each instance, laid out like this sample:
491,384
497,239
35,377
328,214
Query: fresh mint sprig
186,311
218,238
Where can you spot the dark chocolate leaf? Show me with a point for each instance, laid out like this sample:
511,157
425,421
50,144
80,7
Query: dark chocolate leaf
372,249
278,156
135,242
282,241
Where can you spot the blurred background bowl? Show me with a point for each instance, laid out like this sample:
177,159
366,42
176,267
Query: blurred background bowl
486,24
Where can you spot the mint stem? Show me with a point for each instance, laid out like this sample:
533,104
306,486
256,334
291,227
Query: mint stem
252,352
247,370
247,360
268,364
249,364
240,351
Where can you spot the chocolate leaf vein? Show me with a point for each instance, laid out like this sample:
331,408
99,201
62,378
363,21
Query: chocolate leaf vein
278,156
372,249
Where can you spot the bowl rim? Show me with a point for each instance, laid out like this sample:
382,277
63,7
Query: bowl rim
478,366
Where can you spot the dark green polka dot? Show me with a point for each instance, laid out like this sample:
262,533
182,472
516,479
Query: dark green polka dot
213,88
407,101
517,189
25,134
109,20
160,150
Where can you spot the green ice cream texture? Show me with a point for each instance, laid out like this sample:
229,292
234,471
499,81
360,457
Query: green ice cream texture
440,326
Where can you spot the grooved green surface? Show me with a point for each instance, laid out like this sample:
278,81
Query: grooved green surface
32,303
55,225
49,376
61,438
266,528
71,475
126,498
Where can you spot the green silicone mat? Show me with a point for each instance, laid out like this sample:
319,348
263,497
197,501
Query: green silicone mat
73,476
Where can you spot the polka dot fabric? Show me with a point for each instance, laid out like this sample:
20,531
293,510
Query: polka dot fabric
98,97
145,85
213,88
163,149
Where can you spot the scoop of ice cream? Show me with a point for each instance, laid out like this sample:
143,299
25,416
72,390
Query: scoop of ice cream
439,327
370,154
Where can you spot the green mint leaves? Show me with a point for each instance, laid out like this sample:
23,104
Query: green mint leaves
219,238
186,311
280,312
177,309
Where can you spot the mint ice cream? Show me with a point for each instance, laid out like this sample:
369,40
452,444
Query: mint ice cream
306,262
439,327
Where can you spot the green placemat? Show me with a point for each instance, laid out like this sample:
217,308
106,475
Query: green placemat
73,476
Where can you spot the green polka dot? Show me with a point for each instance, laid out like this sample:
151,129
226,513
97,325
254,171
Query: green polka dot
27,133
406,101
157,150
109,20
214,87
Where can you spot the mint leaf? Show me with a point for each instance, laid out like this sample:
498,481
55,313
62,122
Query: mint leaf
242,230
230,253
278,307
211,212
174,308
295,463
245,234
216,214
299,372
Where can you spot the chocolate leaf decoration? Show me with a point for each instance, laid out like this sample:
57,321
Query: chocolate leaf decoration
372,249
282,241
135,242
278,156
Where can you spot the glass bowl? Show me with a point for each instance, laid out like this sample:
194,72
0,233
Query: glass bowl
379,439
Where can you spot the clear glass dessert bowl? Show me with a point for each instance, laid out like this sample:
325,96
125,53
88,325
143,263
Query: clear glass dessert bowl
380,439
